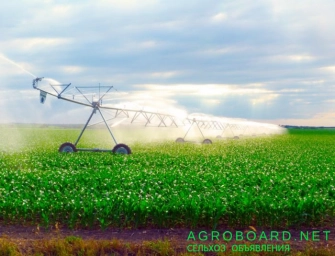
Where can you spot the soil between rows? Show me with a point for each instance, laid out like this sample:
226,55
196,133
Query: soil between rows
25,234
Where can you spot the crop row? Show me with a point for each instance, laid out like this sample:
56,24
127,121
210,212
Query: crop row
279,181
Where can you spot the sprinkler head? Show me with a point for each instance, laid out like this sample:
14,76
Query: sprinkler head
36,80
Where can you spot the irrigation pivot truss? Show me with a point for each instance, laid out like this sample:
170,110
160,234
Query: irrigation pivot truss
99,99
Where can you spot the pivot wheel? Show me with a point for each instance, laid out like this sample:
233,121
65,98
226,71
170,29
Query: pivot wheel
236,137
67,147
121,149
180,140
207,141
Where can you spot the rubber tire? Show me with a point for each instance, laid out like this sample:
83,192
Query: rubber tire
67,147
236,137
180,140
207,141
121,149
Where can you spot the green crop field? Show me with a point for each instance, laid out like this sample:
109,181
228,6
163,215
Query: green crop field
278,181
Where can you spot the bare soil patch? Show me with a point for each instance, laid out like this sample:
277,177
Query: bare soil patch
21,234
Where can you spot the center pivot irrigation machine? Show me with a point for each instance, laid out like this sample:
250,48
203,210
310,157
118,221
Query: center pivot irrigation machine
94,97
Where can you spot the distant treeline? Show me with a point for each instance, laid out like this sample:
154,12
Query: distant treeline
307,127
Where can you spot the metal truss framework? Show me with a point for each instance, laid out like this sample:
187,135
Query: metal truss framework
147,118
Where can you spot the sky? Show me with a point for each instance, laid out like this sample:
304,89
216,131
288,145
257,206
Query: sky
262,60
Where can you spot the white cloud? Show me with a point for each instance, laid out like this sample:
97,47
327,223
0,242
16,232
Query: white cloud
211,102
330,69
72,69
148,44
300,58
291,90
219,17
263,98
166,74
292,58
315,82
203,90
62,10
128,4
223,50
35,43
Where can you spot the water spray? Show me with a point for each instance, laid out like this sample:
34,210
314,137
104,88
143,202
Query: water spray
15,64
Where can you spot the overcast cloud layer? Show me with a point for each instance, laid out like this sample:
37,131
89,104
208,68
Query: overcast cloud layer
265,60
